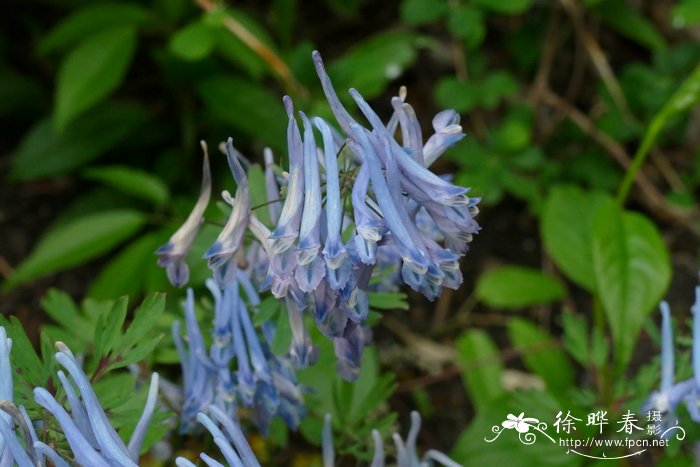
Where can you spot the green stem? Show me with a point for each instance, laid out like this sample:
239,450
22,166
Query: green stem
639,158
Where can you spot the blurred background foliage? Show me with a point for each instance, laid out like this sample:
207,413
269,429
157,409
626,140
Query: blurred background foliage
103,103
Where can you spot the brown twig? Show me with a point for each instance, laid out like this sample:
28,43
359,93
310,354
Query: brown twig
595,52
264,52
653,198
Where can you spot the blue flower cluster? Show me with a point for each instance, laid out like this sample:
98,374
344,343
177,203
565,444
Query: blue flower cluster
356,203
264,382
671,394
92,439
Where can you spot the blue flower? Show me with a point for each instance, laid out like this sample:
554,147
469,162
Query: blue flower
221,255
262,381
172,254
230,441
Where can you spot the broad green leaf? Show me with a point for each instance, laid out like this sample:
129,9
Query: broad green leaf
76,242
481,367
387,300
125,273
45,152
567,229
92,71
542,354
370,65
193,42
517,287
467,23
89,20
247,106
576,338
508,7
496,86
456,94
507,449
685,13
629,22
632,271
135,182
417,12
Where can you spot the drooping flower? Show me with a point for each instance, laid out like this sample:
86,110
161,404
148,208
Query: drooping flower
221,256
172,254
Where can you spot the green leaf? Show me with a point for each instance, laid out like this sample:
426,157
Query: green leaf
632,271
685,13
246,106
45,152
125,273
137,353
496,86
370,65
417,12
629,22
108,328
76,242
576,337
144,320
507,7
685,97
193,42
61,308
467,23
472,448
135,182
542,354
89,20
456,94
482,368
567,229
387,300
517,287
92,71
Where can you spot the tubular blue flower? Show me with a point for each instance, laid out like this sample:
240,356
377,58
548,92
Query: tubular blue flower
172,254
198,374
310,269
231,442
221,255
261,381
448,132
287,229
23,449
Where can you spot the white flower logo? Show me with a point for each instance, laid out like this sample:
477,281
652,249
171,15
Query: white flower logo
520,423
